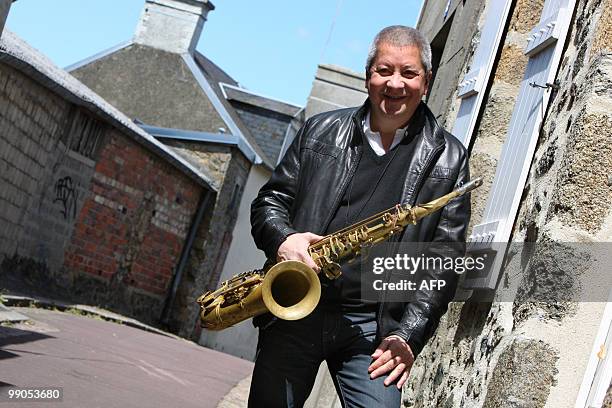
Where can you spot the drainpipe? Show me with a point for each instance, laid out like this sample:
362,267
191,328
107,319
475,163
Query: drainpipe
178,275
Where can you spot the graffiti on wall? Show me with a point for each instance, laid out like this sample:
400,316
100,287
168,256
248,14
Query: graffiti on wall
67,194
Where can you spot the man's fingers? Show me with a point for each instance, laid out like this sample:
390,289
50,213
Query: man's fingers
395,374
403,379
308,261
385,368
295,247
312,237
380,361
382,347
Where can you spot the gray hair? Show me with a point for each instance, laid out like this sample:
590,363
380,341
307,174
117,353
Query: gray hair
400,36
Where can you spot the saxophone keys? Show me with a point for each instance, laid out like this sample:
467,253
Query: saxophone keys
332,270
339,244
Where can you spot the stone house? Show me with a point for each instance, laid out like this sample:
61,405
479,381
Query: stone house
190,104
526,85
92,208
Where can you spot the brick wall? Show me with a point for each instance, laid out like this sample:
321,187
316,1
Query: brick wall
85,211
133,224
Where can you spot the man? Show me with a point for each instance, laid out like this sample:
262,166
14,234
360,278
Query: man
342,167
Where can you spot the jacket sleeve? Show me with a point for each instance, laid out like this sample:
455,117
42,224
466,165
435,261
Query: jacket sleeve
271,211
422,315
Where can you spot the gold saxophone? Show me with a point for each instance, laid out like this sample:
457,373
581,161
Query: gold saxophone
290,290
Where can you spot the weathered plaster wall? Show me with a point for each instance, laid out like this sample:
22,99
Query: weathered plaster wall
521,354
149,84
241,340
229,170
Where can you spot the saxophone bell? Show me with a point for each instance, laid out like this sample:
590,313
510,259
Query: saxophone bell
291,290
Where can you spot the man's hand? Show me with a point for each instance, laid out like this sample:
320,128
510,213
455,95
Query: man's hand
295,248
392,355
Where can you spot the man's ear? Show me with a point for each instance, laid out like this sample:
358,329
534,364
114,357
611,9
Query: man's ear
427,82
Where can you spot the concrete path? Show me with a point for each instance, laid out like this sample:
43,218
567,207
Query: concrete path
105,364
9,315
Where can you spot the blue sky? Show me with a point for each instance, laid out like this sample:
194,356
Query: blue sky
271,47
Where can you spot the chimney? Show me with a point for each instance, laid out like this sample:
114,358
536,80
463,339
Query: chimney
172,25
5,5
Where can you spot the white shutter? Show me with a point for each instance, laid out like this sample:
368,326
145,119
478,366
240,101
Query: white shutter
598,373
544,49
475,81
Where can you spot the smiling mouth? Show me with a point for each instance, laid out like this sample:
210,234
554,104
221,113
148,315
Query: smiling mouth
395,97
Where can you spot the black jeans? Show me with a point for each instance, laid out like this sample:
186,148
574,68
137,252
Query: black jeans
289,354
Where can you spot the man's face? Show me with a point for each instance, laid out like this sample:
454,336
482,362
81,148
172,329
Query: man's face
397,82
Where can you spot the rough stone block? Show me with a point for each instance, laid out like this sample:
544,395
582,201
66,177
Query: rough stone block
512,65
523,376
602,41
526,15
583,197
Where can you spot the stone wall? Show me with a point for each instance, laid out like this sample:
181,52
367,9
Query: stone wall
86,213
30,130
520,354
569,197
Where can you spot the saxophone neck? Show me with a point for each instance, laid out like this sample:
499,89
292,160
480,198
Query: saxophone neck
423,210
469,186
379,226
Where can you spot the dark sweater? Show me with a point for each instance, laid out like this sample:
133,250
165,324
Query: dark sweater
376,186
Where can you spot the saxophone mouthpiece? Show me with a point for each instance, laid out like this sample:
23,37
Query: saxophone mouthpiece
470,185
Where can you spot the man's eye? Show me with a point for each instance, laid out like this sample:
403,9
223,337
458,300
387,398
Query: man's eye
410,74
383,71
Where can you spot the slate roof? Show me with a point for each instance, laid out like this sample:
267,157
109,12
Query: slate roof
17,53
236,93
268,119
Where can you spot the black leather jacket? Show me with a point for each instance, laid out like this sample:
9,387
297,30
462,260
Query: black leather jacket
306,187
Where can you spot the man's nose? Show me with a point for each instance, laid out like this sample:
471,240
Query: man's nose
395,81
